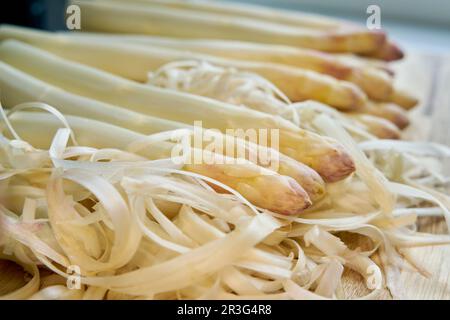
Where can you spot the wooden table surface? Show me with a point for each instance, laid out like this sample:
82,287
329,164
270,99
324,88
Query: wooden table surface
428,77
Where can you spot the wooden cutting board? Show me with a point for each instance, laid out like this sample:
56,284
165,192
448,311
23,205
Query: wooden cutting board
428,78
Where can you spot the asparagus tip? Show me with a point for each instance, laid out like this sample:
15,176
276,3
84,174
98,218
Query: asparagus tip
337,165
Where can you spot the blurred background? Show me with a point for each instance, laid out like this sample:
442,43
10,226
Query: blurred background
416,24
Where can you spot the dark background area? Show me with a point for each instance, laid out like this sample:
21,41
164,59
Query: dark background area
42,14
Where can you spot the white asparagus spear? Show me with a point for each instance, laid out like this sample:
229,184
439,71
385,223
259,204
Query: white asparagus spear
375,83
298,84
122,18
294,18
387,51
285,195
324,155
18,87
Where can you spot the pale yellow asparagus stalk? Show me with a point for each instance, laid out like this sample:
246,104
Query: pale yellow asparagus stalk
403,99
80,79
379,127
249,91
324,155
374,79
18,87
296,18
374,82
272,191
364,61
298,84
389,51
360,126
388,111
123,18
254,92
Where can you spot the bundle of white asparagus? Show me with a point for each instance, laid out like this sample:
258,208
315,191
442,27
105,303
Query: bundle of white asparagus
208,150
